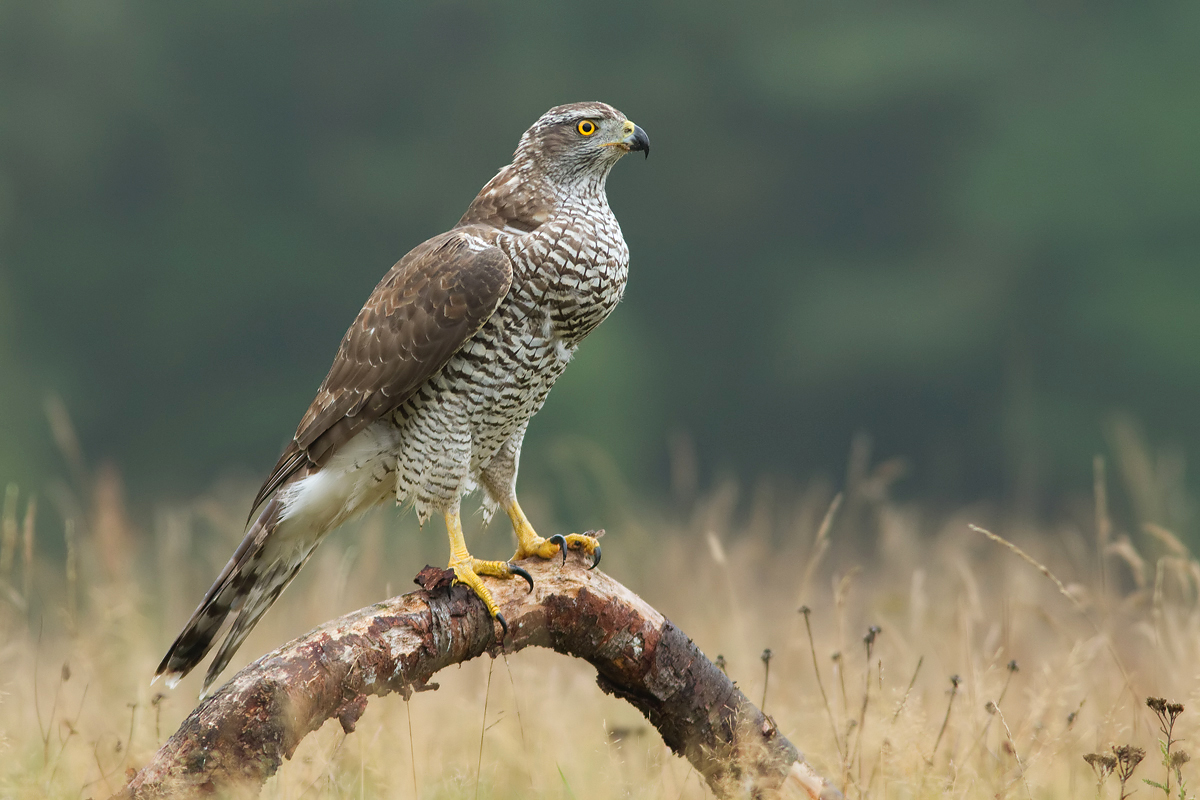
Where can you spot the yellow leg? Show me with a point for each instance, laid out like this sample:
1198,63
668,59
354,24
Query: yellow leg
467,568
530,544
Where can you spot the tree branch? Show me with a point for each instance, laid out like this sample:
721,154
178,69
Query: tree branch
237,738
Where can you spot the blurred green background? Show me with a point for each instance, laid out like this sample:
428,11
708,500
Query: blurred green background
969,230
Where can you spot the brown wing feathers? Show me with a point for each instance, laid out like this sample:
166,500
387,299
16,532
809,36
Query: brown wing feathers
419,315
425,309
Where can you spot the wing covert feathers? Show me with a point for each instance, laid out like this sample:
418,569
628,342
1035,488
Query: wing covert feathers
422,312
426,308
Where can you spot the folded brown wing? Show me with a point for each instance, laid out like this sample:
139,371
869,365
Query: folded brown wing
425,309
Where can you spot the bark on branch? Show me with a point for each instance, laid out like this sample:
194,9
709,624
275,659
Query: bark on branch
237,738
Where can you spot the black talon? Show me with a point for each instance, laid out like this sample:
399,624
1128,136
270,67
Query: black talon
597,559
503,624
561,541
520,571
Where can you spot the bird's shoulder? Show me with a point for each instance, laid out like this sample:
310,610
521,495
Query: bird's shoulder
513,202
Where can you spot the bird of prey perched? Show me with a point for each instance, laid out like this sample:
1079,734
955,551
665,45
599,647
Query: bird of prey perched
436,380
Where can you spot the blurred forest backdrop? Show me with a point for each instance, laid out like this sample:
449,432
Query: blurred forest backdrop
969,230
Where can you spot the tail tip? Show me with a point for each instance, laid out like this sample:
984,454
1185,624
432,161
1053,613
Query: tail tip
171,678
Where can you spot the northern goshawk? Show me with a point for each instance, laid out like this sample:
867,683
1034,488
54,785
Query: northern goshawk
435,382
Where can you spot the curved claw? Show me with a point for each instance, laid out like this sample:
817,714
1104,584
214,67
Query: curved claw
596,560
561,541
521,571
503,625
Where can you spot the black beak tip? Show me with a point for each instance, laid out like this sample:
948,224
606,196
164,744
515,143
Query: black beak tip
640,141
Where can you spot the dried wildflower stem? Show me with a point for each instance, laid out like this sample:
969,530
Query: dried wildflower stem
845,747
954,683
869,643
1102,766
1128,757
766,659
1167,713
1012,669
812,647
239,736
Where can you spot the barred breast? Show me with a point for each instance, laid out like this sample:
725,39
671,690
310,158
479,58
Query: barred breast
569,274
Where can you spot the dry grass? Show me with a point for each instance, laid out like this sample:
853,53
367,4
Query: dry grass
988,678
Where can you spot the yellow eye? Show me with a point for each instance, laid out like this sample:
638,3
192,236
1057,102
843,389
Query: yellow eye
586,128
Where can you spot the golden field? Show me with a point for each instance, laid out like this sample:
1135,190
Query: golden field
995,671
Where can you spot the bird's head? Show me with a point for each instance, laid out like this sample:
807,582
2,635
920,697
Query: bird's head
579,142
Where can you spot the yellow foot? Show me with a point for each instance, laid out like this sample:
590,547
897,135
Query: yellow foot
548,548
467,571
530,544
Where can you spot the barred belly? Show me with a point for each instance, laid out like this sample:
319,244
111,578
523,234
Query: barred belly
459,420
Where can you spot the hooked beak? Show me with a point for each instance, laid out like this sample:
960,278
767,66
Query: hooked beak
637,140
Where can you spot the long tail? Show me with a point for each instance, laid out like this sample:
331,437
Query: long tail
253,579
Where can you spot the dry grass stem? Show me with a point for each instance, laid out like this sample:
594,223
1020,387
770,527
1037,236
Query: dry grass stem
1165,538
8,530
1042,568
819,547
908,690
1012,745
27,551
1103,521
